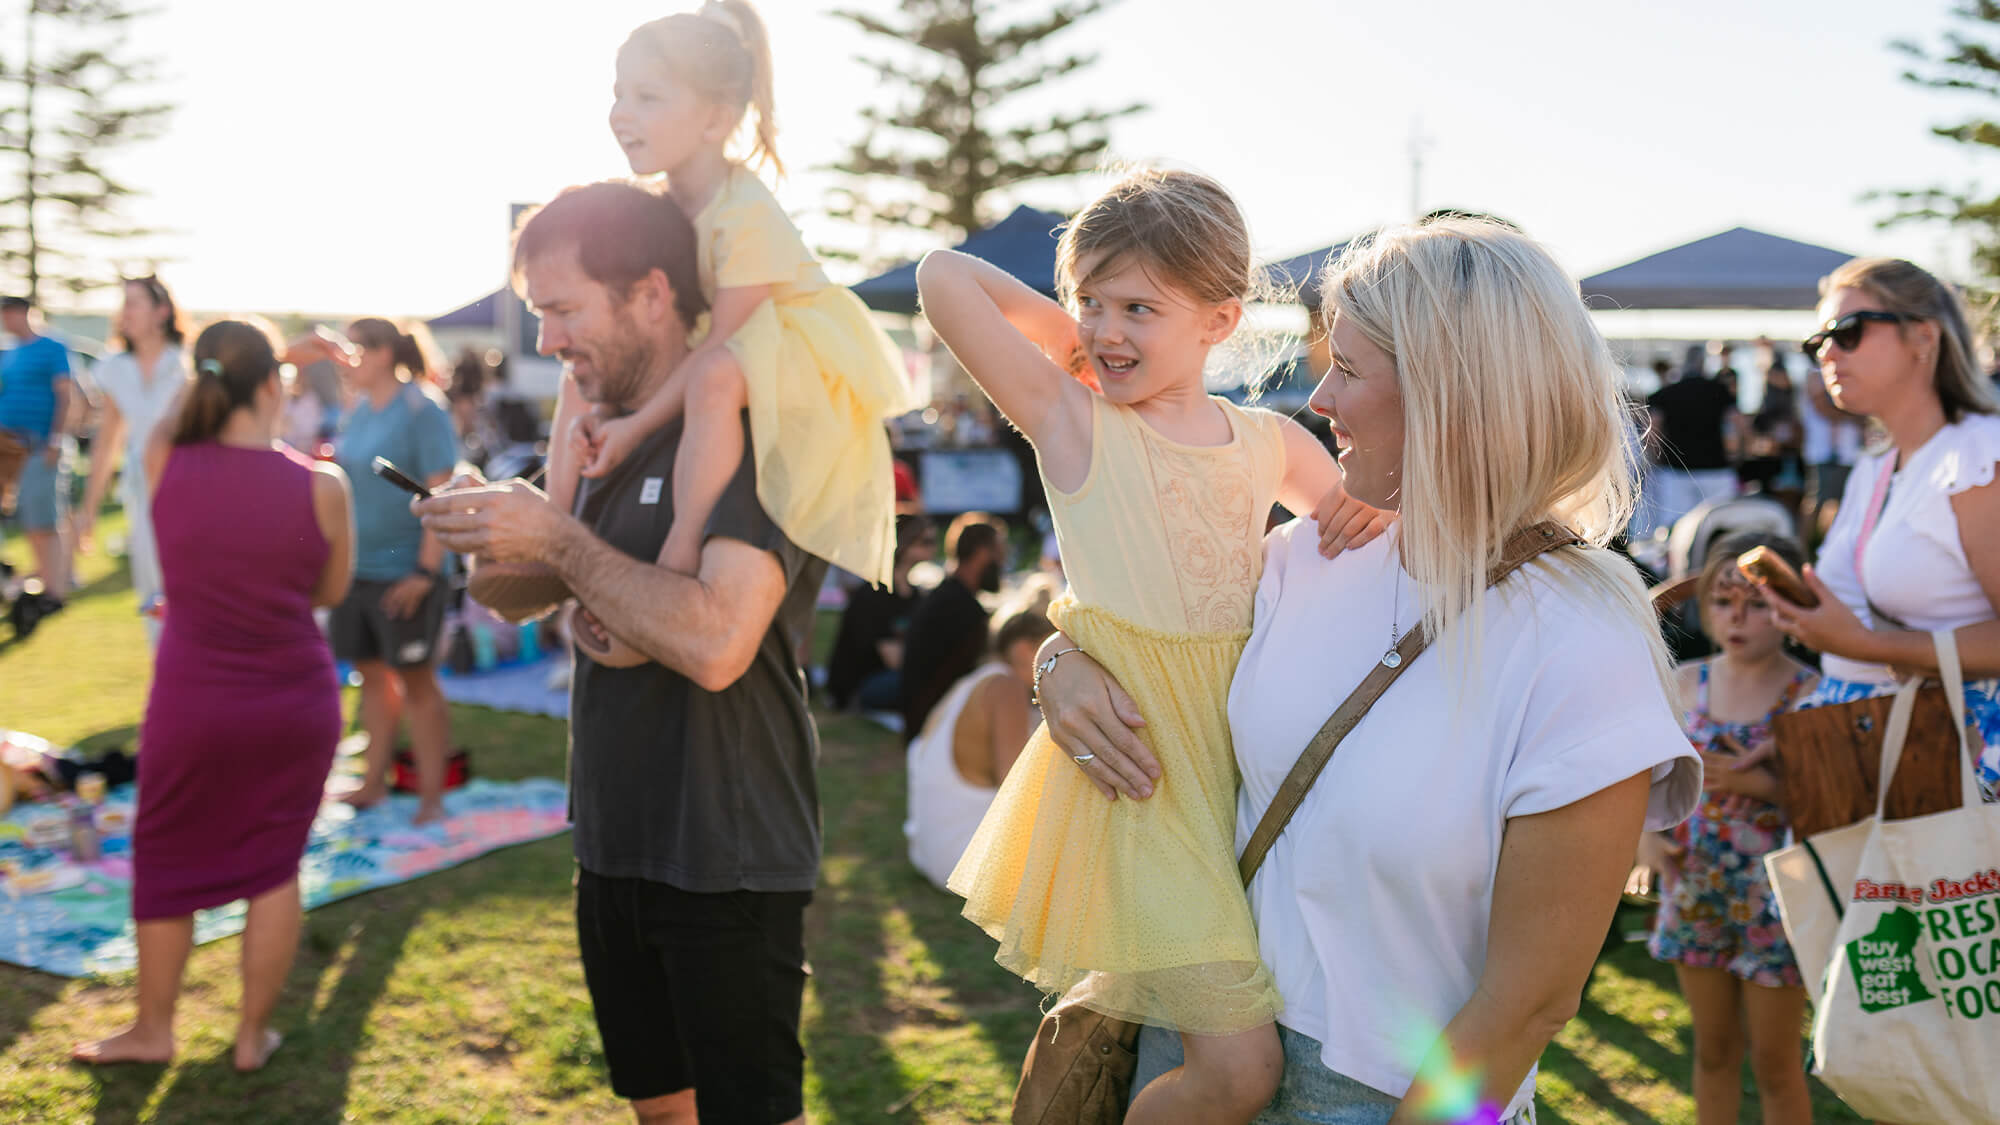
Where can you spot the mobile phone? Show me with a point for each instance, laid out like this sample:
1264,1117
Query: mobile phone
385,469
1763,566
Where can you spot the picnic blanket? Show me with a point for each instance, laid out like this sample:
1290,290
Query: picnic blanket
87,928
512,687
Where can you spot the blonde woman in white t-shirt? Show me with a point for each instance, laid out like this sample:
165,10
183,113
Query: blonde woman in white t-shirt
1433,909
1916,546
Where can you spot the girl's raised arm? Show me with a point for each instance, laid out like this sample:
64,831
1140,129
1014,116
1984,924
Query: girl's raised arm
1018,345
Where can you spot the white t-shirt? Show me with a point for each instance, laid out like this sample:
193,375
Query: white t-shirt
1915,563
1372,907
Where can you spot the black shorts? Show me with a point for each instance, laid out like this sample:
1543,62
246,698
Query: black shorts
361,630
698,990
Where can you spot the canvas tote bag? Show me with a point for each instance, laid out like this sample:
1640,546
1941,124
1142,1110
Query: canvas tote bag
1907,1020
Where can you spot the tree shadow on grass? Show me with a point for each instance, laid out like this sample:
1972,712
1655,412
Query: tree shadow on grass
1559,1061
307,1080
892,957
27,992
124,738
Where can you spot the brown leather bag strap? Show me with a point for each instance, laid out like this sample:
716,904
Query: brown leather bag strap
1524,547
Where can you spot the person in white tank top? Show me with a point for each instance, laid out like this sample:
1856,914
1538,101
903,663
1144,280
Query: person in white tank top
139,384
956,763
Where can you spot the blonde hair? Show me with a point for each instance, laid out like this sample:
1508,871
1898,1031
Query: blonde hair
1912,291
724,53
1512,413
1184,230
1183,225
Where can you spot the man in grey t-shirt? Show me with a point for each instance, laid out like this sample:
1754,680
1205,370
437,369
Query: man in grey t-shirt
692,785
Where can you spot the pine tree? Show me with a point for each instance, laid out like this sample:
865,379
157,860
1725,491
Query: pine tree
1969,62
947,144
66,113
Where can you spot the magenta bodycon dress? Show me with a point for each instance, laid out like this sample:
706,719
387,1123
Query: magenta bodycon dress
244,712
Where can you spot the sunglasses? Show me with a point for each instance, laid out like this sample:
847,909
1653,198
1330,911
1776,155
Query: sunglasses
1846,331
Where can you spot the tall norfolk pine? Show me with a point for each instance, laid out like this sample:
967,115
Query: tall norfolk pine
65,85
930,162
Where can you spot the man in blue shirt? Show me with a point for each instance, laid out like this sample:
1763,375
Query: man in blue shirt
34,410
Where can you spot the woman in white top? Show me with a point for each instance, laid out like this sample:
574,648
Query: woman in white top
1433,909
1916,546
968,744
139,384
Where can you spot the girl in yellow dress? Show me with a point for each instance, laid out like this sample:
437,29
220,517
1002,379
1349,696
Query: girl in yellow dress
1159,492
816,374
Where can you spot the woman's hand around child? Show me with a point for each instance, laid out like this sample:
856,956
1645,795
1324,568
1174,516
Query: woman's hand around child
609,442
1091,719
1345,522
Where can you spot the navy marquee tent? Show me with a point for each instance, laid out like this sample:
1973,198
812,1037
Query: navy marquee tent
1023,244
1737,269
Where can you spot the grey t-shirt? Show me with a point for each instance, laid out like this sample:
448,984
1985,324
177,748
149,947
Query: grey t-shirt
704,791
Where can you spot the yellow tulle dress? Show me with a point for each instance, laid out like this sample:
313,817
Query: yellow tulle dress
822,379
1134,908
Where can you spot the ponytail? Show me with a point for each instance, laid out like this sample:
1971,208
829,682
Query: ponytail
763,100
724,53
232,362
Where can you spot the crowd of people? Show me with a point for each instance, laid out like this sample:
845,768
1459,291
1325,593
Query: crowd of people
1796,446
1131,776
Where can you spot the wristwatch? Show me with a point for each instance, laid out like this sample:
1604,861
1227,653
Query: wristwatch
427,572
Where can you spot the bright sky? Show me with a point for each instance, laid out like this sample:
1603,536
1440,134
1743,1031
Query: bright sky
361,157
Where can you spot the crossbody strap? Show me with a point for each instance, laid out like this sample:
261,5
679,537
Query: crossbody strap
1523,548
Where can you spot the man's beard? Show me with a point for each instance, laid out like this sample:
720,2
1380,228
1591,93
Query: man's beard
989,579
621,362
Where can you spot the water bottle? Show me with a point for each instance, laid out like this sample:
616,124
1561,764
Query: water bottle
83,841
483,657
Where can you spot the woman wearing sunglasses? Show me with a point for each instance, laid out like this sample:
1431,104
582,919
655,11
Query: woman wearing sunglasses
1916,546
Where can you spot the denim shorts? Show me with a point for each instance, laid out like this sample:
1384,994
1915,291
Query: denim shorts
42,500
1308,1094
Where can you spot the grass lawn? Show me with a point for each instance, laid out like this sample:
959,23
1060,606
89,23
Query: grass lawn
458,998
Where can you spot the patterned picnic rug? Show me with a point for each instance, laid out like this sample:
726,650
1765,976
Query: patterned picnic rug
86,928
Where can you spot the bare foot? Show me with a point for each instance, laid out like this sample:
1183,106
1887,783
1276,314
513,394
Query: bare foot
430,812
128,1046
367,797
254,1054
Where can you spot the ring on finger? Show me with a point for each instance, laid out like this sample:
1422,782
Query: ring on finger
1083,759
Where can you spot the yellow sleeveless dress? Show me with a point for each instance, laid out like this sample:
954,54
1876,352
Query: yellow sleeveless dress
1139,902
822,378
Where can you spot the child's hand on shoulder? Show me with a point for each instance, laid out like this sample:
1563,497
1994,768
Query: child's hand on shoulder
596,642
1345,522
611,440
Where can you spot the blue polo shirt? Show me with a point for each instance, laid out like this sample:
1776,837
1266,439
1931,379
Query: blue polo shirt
28,378
415,434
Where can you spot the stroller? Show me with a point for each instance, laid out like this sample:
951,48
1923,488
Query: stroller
1675,560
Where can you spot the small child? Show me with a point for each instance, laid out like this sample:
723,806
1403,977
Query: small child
1159,493
801,355
1718,922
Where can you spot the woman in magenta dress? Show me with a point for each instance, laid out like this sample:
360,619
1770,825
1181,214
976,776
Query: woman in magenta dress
244,712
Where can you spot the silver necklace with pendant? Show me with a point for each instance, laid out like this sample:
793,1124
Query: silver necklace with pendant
1393,658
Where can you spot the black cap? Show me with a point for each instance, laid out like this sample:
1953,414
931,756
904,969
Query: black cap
14,303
